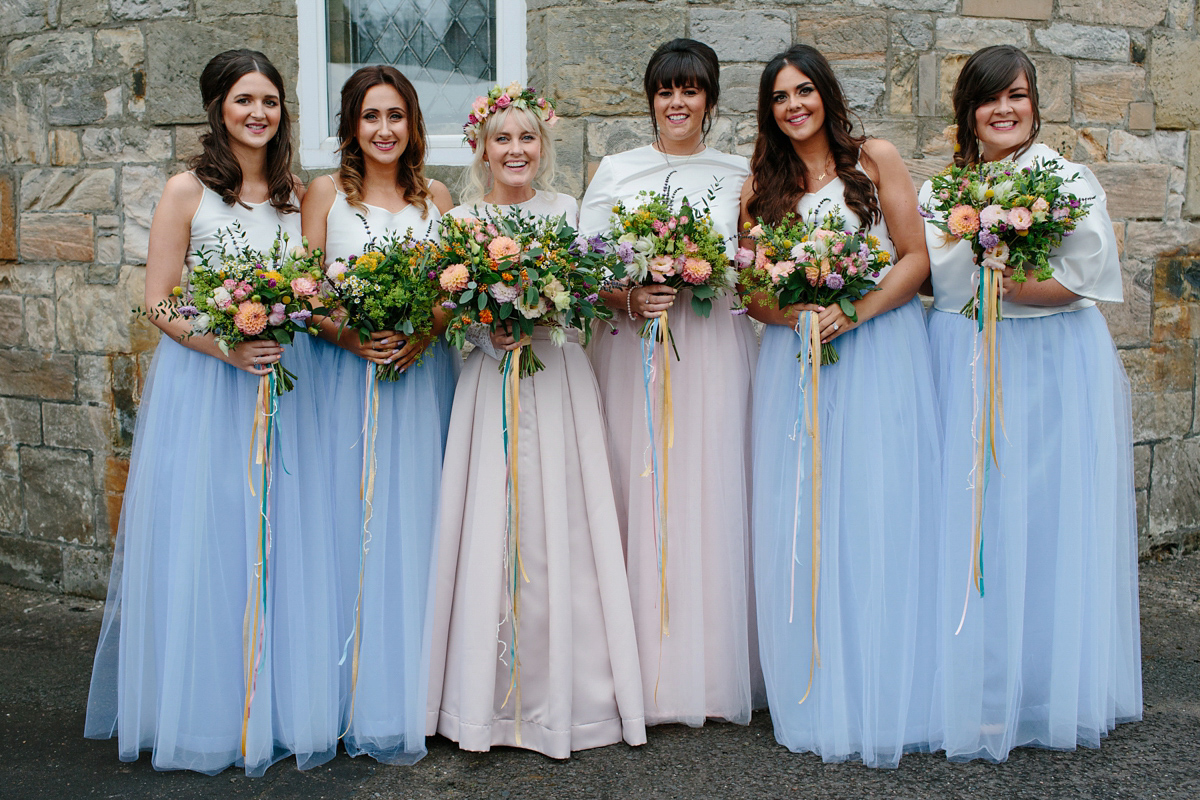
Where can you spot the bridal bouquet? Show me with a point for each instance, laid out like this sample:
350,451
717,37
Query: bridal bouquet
655,245
519,271
238,294
812,261
391,286
1012,216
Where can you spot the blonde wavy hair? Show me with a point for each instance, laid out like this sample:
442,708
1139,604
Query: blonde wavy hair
410,169
477,180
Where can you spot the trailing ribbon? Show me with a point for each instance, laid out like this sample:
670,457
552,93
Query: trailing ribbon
366,493
510,402
254,621
810,413
992,403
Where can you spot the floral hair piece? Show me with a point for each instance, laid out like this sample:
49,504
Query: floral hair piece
498,99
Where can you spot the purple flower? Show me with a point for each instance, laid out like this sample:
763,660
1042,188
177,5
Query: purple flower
598,244
271,282
988,240
834,281
301,317
449,304
625,253
432,275
579,246
615,331
925,212
593,297
738,312
187,312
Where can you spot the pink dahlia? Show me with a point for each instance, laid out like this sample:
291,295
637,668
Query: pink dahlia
455,278
963,221
696,270
502,247
251,318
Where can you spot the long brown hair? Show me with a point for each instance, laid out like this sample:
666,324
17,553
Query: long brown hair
987,73
780,177
410,168
215,165
684,63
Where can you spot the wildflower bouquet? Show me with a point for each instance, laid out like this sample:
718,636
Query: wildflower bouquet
392,286
812,261
655,245
237,294
1012,216
519,271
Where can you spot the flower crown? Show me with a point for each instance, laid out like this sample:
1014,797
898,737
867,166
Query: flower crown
499,99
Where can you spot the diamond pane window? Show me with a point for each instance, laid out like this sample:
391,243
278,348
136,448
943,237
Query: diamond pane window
447,48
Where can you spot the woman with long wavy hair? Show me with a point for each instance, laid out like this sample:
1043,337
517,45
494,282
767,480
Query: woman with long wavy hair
385,507
845,604
173,674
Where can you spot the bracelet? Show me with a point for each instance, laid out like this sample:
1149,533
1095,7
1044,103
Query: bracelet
629,304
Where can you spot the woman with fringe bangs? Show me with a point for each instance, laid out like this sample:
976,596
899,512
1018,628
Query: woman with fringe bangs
385,537
706,663
171,672
1048,653
845,596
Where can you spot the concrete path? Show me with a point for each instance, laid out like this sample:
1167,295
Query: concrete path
46,645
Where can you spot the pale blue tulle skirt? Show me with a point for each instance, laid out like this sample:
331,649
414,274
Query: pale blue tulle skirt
871,694
170,668
1050,655
383,713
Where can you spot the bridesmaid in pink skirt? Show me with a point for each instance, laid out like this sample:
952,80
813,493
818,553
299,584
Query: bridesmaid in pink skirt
578,684
707,664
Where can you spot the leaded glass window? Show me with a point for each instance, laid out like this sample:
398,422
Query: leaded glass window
447,48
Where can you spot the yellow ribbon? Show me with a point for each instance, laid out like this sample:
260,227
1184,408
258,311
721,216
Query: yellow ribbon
366,493
512,391
260,442
667,418
814,432
985,437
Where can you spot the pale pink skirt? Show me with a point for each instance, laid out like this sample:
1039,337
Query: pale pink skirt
580,684
708,664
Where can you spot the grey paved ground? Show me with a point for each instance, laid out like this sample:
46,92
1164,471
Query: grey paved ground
46,647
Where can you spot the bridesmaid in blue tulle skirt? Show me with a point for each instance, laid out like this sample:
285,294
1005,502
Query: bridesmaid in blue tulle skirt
173,673
383,606
868,697
1049,654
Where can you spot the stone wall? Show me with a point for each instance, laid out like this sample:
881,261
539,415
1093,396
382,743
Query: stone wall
99,105
1120,86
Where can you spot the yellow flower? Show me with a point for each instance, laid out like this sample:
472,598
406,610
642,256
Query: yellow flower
273,275
885,257
989,194
370,260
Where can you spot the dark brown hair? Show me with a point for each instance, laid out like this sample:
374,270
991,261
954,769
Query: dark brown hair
780,177
410,168
216,166
684,63
987,73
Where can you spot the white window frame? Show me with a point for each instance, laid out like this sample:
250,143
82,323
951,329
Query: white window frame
318,150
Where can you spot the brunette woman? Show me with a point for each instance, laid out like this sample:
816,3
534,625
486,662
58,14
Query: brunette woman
1049,655
386,506
708,664
173,674
844,606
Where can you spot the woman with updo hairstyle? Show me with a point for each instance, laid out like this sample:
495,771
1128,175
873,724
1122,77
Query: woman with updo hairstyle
1048,655
172,673
572,680
708,665
849,661
380,191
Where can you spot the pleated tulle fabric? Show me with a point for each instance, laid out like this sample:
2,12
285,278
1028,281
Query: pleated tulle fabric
169,674
708,665
383,713
580,683
876,634
1050,655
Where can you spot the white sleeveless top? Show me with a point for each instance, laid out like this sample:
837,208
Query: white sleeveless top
348,230
1086,262
831,197
542,204
260,224
624,175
